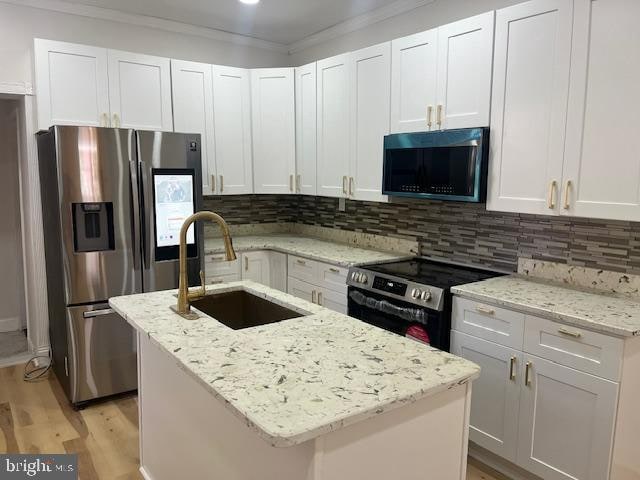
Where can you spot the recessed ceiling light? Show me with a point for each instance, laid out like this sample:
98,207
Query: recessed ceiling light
249,2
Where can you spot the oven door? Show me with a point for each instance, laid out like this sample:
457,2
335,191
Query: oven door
397,316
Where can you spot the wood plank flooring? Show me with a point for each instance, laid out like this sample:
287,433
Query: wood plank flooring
36,417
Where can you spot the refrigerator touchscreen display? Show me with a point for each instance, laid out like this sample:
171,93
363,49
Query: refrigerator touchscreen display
173,195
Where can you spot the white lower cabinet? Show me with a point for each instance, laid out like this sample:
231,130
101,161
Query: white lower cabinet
550,416
496,394
336,301
566,422
320,283
267,268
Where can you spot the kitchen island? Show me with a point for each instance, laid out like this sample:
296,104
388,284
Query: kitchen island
318,397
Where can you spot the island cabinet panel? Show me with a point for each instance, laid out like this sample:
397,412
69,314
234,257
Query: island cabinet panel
496,394
529,102
188,432
274,130
72,84
566,422
140,91
602,161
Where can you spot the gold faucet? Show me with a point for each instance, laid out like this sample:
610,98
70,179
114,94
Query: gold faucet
184,296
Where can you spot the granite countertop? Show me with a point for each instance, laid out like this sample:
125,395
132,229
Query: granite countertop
308,247
301,378
594,310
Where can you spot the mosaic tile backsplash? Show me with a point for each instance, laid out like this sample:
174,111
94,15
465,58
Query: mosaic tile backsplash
460,232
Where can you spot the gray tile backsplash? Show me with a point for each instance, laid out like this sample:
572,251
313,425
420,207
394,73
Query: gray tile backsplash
459,232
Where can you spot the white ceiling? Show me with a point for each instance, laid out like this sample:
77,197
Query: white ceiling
279,21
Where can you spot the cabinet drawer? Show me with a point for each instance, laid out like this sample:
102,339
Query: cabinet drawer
215,279
336,301
574,347
486,321
215,265
332,277
303,269
301,289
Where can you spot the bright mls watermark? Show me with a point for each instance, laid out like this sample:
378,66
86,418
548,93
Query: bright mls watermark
49,467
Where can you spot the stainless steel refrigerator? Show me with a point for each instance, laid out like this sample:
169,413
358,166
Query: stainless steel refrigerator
113,202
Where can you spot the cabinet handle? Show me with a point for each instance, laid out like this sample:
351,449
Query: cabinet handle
527,370
291,183
351,181
487,310
221,184
552,198
213,183
429,113
320,298
567,186
569,333
104,120
246,264
116,120
301,262
439,116
334,270
512,368
344,185
313,296
299,183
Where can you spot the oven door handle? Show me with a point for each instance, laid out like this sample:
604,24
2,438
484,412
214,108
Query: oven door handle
383,306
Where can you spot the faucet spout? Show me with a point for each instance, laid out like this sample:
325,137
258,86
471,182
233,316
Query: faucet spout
184,308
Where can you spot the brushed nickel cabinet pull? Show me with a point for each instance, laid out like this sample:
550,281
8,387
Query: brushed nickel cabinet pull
221,184
512,369
213,183
569,333
439,116
320,298
313,296
104,122
299,183
429,114
334,270
351,182
552,198
301,262
246,264
344,185
567,186
486,310
291,187
116,120
527,370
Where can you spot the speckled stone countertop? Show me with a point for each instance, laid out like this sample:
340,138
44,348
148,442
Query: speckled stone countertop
580,307
301,378
308,247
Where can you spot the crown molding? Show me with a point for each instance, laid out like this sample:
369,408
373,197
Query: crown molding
89,11
356,23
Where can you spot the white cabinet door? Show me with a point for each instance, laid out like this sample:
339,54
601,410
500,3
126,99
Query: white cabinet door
72,84
274,130
370,95
528,110
301,289
566,422
255,267
140,91
413,82
465,55
496,394
602,159
336,301
306,122
333,126
232,123
192,88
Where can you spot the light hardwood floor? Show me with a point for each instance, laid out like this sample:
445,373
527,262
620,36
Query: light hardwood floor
37,418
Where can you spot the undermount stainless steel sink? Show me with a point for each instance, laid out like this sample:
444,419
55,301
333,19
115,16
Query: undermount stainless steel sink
240,309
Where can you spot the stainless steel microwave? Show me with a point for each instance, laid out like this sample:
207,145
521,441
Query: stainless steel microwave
442,165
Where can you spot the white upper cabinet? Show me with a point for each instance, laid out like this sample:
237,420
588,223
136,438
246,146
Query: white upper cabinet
413,82
232,124
72,85
528,111
465,55
192,87
602,158
370,95
140,91
306,122
333,126
274,130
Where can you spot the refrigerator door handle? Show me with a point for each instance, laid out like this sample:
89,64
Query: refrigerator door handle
135,215
144,180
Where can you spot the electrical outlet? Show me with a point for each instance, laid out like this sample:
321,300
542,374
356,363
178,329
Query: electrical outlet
342,204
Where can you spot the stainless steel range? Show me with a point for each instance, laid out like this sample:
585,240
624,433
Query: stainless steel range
409,297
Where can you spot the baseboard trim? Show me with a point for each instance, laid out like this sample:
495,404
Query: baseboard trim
498,464
10,324
18,359
144,474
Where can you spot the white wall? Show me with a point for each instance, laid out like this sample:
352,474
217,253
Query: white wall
440,12
11,277
20,25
